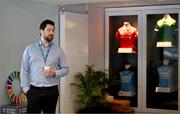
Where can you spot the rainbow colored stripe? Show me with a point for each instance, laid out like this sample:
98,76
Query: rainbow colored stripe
21,99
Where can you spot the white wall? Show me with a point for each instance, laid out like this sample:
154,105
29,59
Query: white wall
96,36
76,48
19,26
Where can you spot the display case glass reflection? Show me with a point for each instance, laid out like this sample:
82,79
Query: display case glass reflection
123,41
162,61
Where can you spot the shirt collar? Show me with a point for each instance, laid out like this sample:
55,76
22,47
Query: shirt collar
41,43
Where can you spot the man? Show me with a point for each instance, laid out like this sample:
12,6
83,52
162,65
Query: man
43,63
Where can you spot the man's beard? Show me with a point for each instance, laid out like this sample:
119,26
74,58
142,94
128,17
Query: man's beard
47,38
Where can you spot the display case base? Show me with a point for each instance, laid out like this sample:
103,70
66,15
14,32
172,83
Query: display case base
165,89
126,93
13,109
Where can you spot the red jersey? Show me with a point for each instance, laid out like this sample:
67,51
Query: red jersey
127,38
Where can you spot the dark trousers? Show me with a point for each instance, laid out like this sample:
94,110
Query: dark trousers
42,99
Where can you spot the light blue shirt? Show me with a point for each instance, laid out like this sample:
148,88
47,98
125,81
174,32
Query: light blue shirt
33,63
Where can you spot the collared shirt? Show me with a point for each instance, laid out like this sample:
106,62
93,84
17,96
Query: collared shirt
33,63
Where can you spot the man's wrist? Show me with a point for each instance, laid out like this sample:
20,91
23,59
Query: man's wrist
54,74
25,89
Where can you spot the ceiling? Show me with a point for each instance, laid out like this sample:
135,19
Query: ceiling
73,1
109,3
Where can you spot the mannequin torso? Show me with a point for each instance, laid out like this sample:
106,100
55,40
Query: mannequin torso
127,36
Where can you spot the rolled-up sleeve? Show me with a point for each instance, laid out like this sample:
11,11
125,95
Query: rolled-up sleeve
62,64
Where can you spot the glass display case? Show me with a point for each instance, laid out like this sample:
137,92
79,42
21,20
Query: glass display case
162,61
144,61
123,50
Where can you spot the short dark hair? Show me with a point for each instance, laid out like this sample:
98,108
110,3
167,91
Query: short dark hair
44,23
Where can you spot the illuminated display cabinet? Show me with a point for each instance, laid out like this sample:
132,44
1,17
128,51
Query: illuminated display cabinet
141,53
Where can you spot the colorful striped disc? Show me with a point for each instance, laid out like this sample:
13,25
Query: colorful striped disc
21,99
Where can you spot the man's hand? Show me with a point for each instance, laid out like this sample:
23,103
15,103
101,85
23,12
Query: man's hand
48,71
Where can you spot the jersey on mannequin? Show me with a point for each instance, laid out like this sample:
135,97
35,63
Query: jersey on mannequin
127,81
127,36
166,29
166,75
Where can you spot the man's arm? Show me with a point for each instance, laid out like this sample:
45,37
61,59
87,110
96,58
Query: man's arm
62,64
25,71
